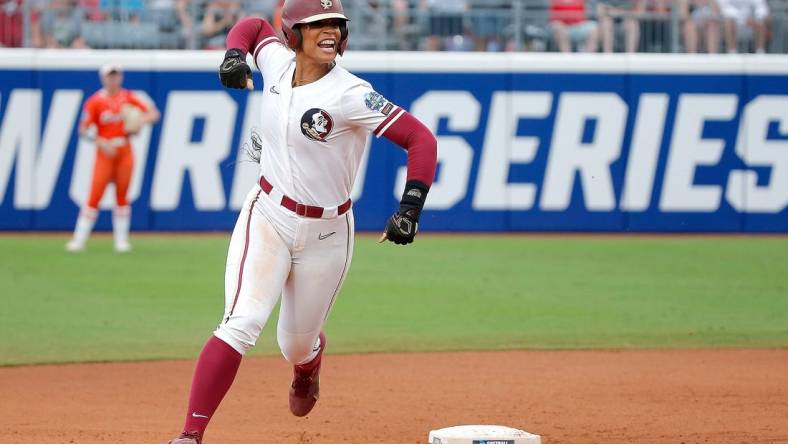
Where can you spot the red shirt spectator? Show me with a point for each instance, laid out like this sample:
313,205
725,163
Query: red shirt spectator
568,12
11,23
92,10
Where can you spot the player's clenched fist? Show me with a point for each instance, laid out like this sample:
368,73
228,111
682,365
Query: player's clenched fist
234,71
402,226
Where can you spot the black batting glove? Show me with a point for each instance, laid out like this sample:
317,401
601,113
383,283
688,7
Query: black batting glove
234,71
402,226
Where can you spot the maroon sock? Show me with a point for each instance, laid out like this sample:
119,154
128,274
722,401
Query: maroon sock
215,372
309,366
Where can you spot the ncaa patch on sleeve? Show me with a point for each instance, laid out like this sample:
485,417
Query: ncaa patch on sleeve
377,102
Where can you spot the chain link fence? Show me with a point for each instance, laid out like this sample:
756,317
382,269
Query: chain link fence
440,25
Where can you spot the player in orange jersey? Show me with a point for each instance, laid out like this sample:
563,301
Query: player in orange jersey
117,114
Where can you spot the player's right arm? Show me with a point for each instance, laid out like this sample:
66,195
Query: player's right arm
249,35
89,116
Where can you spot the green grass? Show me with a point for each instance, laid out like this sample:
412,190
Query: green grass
442,293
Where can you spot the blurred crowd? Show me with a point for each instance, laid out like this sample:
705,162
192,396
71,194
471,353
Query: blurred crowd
710,26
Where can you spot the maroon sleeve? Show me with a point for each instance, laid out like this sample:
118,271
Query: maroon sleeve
409,133
248,34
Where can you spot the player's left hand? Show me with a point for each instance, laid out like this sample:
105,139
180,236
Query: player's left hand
234,72
106,146
401,227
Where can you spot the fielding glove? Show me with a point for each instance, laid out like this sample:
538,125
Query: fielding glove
402,226
234,71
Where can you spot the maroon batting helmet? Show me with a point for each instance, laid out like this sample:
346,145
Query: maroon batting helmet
299,12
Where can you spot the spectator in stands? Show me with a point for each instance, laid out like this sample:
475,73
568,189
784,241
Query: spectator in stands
125,10
701,18
446,28
654,23
743,17
372,25
12,23
264,9
400,21
60,25
219,17
490,20
610,11
92,10
570,26
694,15
174,21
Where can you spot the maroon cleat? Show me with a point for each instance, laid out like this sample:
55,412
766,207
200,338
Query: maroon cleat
187,438
305,389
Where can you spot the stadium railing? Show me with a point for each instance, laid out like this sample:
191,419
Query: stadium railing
456,25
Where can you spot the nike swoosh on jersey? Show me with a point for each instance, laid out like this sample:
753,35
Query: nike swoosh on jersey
273,89
322,236
197,415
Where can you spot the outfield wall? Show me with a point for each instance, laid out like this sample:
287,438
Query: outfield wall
544,142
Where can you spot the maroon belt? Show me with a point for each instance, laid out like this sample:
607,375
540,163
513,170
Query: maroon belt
305,210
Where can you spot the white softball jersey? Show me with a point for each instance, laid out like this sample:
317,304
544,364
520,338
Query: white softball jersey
314,135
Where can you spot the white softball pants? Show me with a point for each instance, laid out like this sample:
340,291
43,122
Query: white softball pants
275,252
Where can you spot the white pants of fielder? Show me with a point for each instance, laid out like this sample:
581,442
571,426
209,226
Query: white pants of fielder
275,252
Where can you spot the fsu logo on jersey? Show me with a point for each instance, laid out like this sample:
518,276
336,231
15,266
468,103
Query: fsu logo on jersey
316,124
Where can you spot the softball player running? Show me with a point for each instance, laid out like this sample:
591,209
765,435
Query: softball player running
294,235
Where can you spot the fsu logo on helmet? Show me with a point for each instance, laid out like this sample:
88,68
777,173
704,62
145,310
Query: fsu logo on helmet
326,4
316,124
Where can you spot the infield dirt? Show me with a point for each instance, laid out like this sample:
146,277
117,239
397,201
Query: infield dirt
650,396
